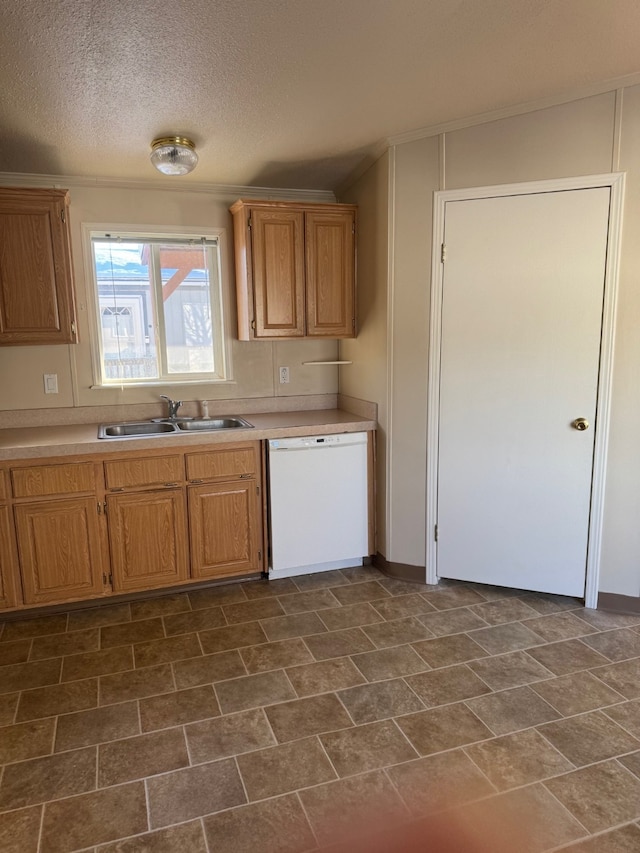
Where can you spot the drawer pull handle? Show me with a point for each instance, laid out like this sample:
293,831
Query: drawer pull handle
170,485
196,481
117,489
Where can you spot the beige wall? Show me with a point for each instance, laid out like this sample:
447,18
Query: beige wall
254,364
577,138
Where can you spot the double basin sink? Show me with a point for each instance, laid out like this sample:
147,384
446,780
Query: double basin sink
145,429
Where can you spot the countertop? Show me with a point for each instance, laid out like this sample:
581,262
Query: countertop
40,442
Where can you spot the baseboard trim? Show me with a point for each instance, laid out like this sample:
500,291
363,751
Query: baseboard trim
400,571
618,603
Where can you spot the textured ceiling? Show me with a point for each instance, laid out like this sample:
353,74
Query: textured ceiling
288,93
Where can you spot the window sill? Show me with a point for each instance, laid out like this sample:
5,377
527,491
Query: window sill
161,383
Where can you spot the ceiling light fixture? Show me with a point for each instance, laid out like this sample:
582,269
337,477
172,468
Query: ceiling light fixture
173,155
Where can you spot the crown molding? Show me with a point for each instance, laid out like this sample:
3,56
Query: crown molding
224,191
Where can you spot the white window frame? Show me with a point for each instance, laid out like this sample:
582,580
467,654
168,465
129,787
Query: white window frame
219,302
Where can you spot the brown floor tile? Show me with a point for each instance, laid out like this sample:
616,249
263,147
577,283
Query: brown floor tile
351,616
20,830
446,598
232,637
58,699
176,709
319,580
617,645
631,762
442,623
359,574
504,610
57,645
367,591
162,606
362,748
445,651
284,768
156,652
337,644
518,759
324,677
401,587
23,676
135,684
303,602
278,825
443,728
623,677
208,669
604,621
589,738
510,710
276,655
379,701
559,626
81,822
96,617
510,670
545,604
387,663
305,717
264,588
600,796
131,632
184,794
626,715
285,627
231,735
439,781
252,691
249,611
341,809
26,740
576,693
397,632
86,728
568,656
624,840
187,837
52,777
137,757
510,637
403,605
15,652
21,628
213,596
451,684
91,664
9,704
189,622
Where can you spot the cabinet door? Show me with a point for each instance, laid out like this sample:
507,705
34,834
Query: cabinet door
147,532
60,550
36,289
330,269
278,272
9,587
224,527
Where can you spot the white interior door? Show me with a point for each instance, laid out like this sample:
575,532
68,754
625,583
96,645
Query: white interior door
522,310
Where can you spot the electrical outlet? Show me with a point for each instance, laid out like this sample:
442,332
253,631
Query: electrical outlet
284,375
50,383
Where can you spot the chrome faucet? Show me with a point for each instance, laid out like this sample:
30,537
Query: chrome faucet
174,405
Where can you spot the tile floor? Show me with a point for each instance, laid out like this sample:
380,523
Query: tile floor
287,714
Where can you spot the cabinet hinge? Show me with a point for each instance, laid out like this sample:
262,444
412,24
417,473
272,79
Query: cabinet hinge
353,322
74,331
104,507
99,508
104,579
257,490
63,215
353,228
259,556
435,532
443,253
249,223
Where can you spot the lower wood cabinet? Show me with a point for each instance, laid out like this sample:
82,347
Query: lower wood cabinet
60,549
148,539
9,591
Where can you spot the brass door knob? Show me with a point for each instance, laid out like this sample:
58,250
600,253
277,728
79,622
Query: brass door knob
580,424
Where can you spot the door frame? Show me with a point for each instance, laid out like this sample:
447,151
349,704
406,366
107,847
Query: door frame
616,182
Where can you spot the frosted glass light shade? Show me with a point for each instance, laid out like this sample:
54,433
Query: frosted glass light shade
173,155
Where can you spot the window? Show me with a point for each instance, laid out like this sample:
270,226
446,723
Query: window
159,308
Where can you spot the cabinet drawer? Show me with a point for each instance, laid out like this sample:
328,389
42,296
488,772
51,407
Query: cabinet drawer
144,472
227,463
41,480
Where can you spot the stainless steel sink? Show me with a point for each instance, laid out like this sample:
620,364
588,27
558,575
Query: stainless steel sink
135,430
211,424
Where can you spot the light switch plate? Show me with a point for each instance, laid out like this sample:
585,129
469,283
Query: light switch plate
50,383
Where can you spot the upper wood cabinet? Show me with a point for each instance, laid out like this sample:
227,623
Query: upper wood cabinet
295,269
36,279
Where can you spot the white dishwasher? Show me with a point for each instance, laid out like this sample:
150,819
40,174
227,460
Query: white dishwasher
318,503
